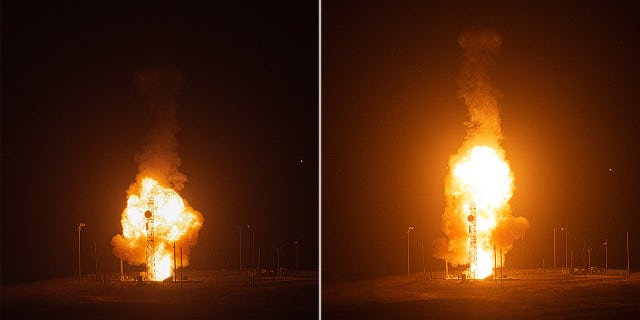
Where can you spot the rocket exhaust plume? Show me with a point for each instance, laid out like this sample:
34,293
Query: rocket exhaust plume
477,219
156,217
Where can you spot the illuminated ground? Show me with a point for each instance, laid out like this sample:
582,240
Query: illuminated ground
216,295
532,296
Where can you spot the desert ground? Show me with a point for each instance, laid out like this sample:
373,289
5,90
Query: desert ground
528,294
204,295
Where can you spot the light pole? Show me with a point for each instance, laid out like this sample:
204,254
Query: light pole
554,252
565,249
408,245
80,225
589,252
606,256
253,269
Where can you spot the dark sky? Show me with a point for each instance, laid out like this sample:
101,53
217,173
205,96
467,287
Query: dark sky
391,119
72,122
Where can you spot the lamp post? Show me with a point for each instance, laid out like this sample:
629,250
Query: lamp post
408,245
253,269
554,252
606,257
565,250
589,252
80,225
240,236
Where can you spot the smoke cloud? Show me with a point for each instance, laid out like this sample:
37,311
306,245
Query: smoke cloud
160,86
479,48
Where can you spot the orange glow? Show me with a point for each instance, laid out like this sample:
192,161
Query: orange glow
482,176
173,221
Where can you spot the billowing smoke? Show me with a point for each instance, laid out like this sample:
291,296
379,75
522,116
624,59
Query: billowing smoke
160,86
479,47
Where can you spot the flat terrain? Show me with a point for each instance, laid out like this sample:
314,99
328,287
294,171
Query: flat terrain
207,295
522,297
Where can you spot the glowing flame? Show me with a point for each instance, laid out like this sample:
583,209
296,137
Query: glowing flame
482,177
477,219
169,218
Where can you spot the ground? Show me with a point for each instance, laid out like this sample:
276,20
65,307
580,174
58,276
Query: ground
206,295
530,296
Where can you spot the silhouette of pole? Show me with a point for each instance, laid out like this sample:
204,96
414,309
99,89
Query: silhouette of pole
80,225
554,250
408,246
606,256
95,256
628,265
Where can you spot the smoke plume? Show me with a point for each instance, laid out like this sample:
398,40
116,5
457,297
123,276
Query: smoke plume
160,86
479,48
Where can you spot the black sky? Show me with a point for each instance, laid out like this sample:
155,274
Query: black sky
391,119
72,122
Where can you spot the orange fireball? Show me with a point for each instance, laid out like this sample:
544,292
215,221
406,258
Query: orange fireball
155,219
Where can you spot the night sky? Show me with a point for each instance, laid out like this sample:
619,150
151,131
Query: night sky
391,118
72,122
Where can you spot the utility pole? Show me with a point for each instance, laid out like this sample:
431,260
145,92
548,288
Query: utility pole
566,260
495,261
80,225
606,256
628,265
253,268
95,256
589,252
554,251
240,236
408,246
501,263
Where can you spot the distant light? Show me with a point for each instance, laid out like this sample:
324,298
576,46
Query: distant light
301,161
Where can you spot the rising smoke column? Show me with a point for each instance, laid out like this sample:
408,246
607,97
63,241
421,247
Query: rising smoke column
160,86
496,224
159,176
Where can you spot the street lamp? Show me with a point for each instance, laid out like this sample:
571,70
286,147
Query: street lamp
554,251
606,257
240,236
565,249
408,245
253,269
589,251
80,225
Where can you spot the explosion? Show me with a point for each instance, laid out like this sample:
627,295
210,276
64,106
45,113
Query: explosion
477,220
157,220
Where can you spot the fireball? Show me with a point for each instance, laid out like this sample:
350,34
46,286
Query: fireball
156,218
483,178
